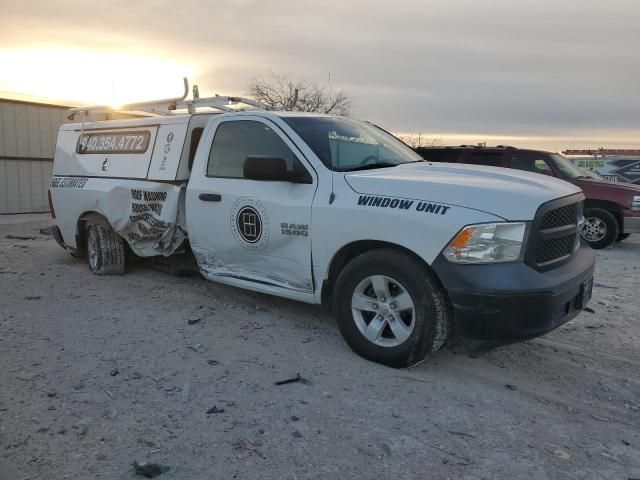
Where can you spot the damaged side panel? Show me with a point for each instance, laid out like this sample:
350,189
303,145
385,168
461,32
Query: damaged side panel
148,215
289,275
287,282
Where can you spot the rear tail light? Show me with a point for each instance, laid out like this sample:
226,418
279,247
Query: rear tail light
51,209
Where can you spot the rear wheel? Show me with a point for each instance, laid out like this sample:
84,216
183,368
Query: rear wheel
105,250
390,309
600,228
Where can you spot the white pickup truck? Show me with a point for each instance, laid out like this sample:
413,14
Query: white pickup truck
330,210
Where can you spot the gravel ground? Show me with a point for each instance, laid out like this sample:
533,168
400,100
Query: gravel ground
99,372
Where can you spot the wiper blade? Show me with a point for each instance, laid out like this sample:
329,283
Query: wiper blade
370,166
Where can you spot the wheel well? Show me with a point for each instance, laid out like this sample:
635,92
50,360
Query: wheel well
348,253
610,207
81,231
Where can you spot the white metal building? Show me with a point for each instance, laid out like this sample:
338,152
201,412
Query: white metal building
28,133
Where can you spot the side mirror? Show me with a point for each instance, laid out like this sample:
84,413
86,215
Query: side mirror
265,168
257,167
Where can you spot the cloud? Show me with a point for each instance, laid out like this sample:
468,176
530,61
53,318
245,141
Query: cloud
539,68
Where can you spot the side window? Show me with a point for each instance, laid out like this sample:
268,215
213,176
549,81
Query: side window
485,158
234,141
530,162
196,135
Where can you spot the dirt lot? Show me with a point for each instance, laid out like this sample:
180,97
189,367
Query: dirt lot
100,371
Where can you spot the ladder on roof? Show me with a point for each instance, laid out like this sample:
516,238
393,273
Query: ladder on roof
168,106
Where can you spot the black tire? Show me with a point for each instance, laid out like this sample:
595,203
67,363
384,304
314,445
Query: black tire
105,250
622,236
610,225
431,312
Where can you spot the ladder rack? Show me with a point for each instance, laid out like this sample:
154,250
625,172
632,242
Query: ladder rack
170,105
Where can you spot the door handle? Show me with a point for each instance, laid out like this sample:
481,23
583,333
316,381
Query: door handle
210,197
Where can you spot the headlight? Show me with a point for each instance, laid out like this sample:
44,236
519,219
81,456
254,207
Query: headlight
635,203
487,243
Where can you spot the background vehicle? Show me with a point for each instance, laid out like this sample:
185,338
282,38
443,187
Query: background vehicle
611,209
329,210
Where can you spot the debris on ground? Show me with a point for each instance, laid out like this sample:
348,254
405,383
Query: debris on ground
26,376
198,347
243,444
46,231
20,237
561,454
589,309
193,321
81,429
510,387
149,470
296,379
595,327
185,391
35,297
215,409
134,375
386,449
114,372
213,362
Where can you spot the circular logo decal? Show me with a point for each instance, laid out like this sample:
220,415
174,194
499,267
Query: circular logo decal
249,223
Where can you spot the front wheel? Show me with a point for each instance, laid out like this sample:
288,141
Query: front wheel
390,309
600,228
105,250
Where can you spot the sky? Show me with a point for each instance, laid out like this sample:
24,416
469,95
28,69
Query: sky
550,74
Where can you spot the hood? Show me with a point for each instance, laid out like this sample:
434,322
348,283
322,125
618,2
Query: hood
510,194
615,186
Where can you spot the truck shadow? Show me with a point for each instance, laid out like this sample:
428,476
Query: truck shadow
454,358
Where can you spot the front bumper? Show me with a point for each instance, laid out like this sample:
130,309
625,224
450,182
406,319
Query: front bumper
511,301
631,224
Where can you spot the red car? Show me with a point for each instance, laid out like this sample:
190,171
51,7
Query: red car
611,209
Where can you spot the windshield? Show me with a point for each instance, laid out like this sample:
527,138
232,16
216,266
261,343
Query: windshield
569,170
345,145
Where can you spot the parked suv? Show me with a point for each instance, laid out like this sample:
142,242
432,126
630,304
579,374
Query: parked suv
611,210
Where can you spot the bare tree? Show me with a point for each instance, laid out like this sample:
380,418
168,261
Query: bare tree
415,140
285,93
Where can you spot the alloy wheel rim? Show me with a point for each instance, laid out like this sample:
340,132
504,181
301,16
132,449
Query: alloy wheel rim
383,311
594,229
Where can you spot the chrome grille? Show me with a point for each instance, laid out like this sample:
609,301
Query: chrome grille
555,233
560,217
554,249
